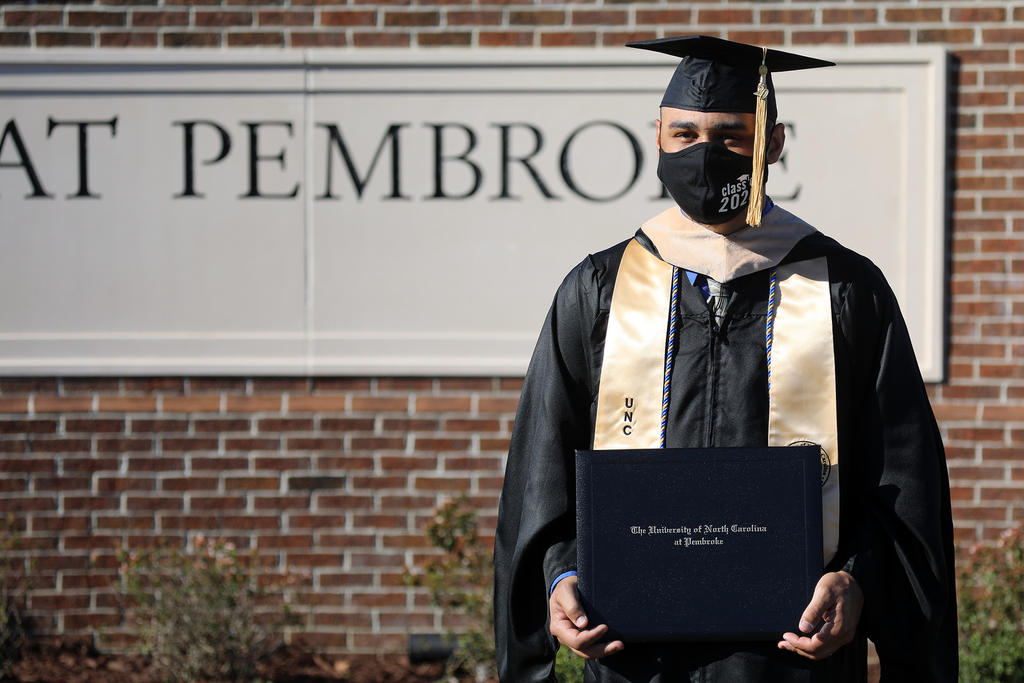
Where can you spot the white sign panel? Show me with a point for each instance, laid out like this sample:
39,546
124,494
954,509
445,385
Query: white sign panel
399,212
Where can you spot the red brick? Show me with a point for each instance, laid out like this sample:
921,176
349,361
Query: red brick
406,463
64,484
168,503
983,56
850,16
472,18
758,37
412,18
819,37
280,463
90,502
190,483
248,522
285,424
219,463
90,620
360,620
663,16
381,39
344,502
108,426
969,15
317,403
127,404
423,443
952,35
156,464
252,483
27,504
153,19
28,426
406,620
445,39
713,17
189,444
975,473
27,386
253,404
62,404
148,426
599,17
313,444
1004,77
13,404
315,39
917,15
343,383
285,18
948,412
441,484
982,99
980,183
304,542
392,642
472,425
1002,493
1002,204
252,443
15,39
191,39
500,445
379,404
200,503
787,16
443,404
347,424
314,559
216,425
93,18
497,405
505,39
191,404
976,434
61,445
536,17
567,39
211,18
13,17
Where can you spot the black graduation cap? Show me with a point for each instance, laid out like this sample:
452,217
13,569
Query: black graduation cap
721,75
718,75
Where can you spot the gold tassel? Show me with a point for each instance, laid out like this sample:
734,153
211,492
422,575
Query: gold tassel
756,206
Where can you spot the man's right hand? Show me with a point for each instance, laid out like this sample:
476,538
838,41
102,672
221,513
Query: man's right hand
569,623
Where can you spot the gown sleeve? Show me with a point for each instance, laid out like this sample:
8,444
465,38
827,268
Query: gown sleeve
535,538
905,564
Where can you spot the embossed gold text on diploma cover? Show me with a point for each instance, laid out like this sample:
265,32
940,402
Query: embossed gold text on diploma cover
698,544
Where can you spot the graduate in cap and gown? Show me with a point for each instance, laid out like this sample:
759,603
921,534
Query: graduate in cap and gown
742,326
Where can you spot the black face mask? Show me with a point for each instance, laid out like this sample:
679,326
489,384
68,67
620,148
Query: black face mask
710,183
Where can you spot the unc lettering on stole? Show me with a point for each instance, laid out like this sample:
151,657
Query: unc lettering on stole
627,416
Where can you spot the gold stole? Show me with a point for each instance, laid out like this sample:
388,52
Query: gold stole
802,404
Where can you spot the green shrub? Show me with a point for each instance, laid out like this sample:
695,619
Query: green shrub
991,590
461,581
12,582
198,610
568,666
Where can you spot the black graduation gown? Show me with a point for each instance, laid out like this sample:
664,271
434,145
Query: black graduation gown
895,526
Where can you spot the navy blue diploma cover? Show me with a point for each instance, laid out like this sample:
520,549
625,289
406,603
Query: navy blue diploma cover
698,544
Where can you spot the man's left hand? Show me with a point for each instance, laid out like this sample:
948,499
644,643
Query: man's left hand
835,608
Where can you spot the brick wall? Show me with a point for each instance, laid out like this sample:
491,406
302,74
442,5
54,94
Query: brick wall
335,476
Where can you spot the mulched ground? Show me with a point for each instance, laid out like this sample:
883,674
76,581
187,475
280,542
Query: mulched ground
79,663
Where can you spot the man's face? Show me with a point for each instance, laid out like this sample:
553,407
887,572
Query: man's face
680,128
